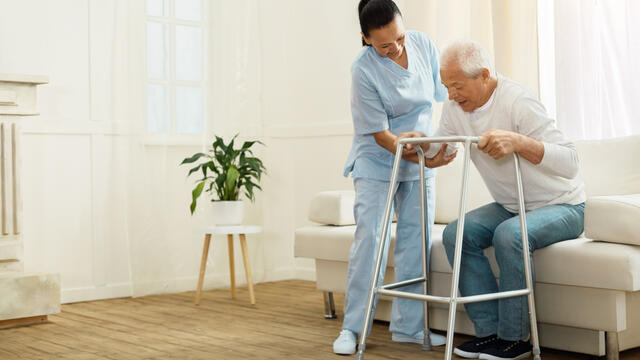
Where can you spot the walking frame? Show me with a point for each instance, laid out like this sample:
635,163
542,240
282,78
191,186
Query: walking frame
454,299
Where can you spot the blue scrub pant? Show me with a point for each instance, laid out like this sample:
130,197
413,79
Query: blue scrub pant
493,225
371,196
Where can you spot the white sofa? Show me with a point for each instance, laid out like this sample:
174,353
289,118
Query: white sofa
587,289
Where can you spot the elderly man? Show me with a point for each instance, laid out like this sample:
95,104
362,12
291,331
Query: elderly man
509,119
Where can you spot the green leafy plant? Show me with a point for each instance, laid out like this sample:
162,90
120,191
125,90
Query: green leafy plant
226,171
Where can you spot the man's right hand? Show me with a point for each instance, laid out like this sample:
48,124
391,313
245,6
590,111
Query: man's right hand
441,158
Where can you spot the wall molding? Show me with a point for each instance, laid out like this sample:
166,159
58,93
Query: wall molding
288,131
48,127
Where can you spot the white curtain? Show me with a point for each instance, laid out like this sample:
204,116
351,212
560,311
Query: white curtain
595,80
506,29
164,241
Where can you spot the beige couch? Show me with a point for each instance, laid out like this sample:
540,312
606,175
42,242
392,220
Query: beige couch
587,289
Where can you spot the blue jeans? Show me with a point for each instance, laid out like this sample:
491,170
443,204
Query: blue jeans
493,225
371,197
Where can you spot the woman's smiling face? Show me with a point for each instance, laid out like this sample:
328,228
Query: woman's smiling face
388,41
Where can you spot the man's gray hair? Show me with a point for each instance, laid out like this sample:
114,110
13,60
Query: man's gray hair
470,55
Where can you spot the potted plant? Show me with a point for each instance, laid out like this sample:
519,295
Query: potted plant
225,173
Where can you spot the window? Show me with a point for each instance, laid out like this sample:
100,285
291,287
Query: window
175,66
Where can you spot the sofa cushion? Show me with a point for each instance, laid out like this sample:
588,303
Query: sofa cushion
448,186
578,262
609,167
613,218
333,208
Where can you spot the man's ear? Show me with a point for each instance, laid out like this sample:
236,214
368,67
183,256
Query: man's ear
486,75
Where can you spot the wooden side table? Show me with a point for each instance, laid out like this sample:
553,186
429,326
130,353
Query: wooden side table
229,230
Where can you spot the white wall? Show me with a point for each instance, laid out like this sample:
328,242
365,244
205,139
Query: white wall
113,226
77,190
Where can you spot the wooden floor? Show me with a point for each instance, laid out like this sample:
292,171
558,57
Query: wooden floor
286,322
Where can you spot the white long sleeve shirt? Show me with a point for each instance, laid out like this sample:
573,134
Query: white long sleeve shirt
511,107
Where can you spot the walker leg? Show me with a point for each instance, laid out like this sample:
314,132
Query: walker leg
380,253
527,261
426,242
455,278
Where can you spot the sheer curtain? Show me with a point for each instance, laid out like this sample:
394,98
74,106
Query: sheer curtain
151,192
594,80
506,29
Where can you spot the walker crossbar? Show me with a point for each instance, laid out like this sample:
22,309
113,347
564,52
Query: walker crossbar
377,289
403,283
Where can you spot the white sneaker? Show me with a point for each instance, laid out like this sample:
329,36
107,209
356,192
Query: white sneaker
436,340
345,344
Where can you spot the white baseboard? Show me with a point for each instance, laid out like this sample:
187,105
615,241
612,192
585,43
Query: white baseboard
308,274
96,293
176,285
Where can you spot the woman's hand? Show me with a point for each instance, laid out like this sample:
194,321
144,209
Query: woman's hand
409,149
441,158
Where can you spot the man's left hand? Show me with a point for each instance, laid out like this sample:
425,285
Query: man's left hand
499,143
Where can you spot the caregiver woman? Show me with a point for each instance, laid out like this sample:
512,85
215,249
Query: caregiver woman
395,82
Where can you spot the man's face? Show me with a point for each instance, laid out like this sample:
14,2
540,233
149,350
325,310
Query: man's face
388,40
469,93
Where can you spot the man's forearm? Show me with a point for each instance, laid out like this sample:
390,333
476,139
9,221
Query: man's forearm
530,149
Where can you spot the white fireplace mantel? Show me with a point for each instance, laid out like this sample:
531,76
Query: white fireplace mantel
25,298
18,94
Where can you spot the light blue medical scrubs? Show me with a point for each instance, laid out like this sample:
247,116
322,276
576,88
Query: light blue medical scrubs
384,96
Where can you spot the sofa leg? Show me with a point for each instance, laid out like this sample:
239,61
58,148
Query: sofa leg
612,349
329,306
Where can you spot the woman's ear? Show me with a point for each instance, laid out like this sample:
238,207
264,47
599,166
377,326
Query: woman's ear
364,38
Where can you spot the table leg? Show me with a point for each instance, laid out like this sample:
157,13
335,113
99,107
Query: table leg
232,268
203,266
247,268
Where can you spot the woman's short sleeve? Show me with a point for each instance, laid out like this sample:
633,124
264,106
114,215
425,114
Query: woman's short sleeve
369,115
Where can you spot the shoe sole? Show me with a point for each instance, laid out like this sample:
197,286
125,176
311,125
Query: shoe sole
492,357
345,352
465,354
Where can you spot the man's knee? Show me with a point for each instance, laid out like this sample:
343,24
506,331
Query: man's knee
507,237
449,236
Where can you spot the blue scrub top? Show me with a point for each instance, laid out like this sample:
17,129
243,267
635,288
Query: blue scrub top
384,95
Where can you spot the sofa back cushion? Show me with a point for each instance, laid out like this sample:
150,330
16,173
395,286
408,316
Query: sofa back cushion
607,167
613,218
449,186
610,167
333,207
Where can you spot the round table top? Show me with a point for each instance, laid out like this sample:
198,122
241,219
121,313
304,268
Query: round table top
231,229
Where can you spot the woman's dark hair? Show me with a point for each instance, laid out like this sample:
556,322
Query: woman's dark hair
375,14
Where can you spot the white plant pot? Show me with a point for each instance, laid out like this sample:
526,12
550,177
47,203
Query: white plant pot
227,212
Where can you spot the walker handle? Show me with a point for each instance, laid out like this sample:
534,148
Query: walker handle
439,139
